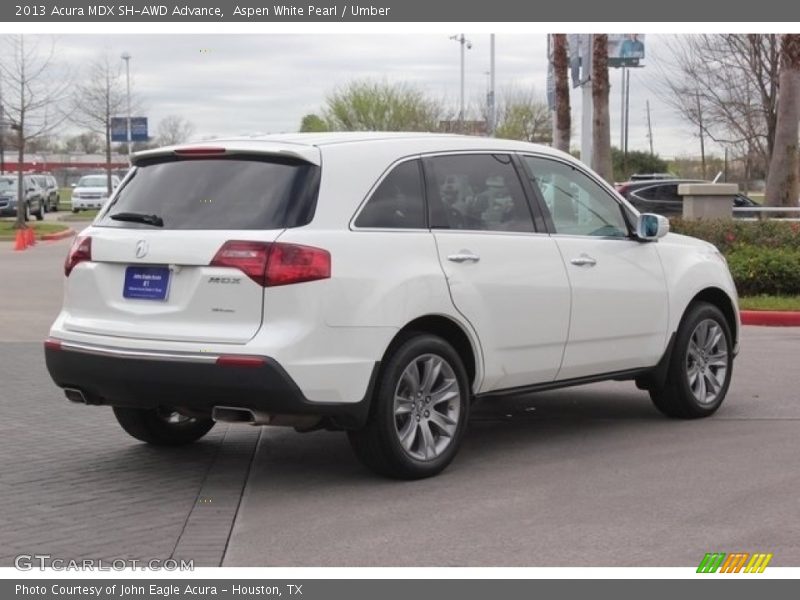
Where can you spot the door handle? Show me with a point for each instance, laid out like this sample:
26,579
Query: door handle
463,256
584,260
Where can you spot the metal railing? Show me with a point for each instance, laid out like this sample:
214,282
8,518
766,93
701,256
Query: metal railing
763,212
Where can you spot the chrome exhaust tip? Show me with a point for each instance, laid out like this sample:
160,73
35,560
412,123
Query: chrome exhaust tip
232,414
75,395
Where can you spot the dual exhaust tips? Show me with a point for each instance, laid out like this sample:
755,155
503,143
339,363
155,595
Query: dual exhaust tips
235,414
228,414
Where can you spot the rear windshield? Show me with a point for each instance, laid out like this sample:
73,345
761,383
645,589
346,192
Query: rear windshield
238,192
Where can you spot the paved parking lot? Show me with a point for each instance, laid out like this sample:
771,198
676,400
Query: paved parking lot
589,476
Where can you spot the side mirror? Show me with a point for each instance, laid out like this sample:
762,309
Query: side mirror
74,185
650,227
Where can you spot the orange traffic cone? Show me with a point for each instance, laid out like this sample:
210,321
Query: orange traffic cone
21,240
31,236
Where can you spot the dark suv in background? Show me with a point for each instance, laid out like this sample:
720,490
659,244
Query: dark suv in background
50,192
661,197
34,202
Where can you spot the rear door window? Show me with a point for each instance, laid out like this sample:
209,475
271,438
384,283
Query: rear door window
477,192
236,192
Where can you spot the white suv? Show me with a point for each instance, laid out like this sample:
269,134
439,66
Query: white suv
342,281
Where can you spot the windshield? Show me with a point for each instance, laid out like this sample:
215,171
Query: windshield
8,184
93,181
238,192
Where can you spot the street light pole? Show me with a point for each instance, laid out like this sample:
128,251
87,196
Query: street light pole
127,58
2,132
492,94
464,42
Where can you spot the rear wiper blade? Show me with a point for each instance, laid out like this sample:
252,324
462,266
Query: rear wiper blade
133,217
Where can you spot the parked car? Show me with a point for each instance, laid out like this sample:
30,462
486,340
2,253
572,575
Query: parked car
34,197
91,192
379,284
652,176
50,190
661,197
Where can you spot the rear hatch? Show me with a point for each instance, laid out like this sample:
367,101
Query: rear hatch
180,252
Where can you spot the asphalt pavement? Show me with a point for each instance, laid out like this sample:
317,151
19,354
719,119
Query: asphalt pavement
587,476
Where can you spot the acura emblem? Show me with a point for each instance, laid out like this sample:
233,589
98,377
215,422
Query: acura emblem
141,249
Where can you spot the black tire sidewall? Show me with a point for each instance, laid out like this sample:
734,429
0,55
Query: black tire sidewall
697,313
402,356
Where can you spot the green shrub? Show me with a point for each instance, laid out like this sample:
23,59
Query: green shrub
728,235
765,270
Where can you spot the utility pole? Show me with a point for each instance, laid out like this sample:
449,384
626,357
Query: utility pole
465,45
627,111
492,97
624,103
702,140
649,128
127,58
2,131
587,105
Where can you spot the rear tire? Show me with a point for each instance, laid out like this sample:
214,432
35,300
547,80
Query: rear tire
162,427
700,366
419,410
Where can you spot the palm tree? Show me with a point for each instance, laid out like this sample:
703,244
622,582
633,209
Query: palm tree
601,126
782,181
561,67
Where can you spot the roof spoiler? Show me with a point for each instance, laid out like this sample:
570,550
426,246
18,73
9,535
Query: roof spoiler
309,154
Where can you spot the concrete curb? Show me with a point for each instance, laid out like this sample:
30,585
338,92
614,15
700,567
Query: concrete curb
61,235
771,318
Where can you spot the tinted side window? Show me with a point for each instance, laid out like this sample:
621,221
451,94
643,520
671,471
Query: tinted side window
477,192
577,204
398,201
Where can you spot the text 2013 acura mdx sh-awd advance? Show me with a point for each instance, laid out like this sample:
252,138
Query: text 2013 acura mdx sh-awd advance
379,284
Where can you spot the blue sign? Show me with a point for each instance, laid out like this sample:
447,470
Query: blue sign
139,129
119,129
146,283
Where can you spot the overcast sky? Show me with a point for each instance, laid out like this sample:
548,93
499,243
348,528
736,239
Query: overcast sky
238,84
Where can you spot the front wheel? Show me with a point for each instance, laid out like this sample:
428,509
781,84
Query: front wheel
39,214
162,426
419,410
700,367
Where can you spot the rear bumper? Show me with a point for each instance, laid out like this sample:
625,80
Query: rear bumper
199,382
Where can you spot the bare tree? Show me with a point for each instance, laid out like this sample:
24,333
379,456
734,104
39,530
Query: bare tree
726,85
782,182
522,115
98,98
31,93
601,125
560,69
174,129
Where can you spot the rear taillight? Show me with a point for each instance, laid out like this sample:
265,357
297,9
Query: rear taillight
291,263
248,257
81,250
276,263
